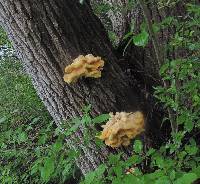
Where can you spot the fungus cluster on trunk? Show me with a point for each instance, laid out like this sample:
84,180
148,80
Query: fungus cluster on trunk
84,66
121,127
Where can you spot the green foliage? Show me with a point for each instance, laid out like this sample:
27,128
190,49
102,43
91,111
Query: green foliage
166,168
178,160
3,38
86,123
30,150
141,39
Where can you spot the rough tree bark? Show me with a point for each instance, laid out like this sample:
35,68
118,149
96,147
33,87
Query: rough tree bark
47,35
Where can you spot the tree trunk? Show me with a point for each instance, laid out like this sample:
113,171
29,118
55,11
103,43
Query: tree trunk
47,35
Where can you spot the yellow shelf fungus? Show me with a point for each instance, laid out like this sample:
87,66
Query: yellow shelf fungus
121,128
84,66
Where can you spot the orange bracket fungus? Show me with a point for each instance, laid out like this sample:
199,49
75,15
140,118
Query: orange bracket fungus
84,66
121,128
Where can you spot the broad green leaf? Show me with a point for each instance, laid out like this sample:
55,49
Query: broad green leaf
86,120
101,118
100,170
187,178
162,180
129,179
135,159
89,178
48,169
114,159
141,39
118,170
116,180
57,146
154,176
196,171
191,149
150,152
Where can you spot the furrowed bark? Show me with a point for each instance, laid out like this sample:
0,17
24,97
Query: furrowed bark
47,35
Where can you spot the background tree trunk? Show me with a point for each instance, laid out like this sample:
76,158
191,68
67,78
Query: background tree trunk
143,61
47,35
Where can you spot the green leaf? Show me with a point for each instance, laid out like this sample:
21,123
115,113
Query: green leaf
162,180
89,178
155,175
22,137
86,120
172,175
191,150
150,152
135,159
114,159
48,169
138,146
196,171
87,108
141,39
132,179
57,146
35,120
2,120
35,167
159,161
73,154
187,178
42,139
101,118
67,169
74,127
100,170
118,170
167,21
163,68
116,180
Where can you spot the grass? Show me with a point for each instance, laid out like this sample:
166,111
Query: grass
27,133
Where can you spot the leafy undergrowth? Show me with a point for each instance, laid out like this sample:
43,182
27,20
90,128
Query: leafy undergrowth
30,149
177,161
